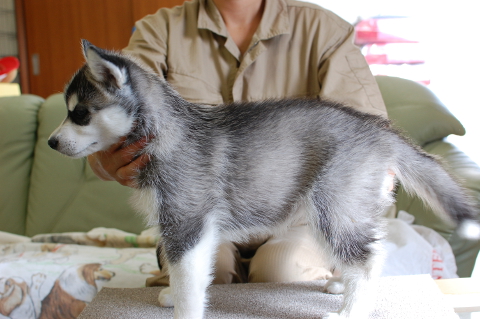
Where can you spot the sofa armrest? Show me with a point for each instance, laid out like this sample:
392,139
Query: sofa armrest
18,127
417,111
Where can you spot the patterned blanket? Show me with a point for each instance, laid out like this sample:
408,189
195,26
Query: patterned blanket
57,275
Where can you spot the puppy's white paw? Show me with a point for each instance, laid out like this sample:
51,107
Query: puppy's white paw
334,286
165,298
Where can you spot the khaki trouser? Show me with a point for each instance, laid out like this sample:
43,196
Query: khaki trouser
293,256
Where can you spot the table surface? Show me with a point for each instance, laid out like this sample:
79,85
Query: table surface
401,297
462,293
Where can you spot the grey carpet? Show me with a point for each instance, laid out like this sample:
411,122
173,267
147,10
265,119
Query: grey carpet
399,297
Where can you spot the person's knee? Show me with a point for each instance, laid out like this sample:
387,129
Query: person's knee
283,261
268,266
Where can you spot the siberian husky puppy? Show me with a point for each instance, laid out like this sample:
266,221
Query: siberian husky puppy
236,170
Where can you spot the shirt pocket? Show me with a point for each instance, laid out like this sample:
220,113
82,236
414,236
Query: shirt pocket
194,90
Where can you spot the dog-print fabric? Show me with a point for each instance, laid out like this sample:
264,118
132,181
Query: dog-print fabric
57,280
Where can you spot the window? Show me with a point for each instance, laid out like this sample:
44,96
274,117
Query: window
441,50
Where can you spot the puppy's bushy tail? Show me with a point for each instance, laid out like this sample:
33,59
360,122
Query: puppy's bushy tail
423,175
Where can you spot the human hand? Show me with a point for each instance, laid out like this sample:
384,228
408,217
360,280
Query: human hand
119,164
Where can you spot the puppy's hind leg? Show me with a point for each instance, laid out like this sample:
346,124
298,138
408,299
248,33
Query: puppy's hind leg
354,246
190,276
359,281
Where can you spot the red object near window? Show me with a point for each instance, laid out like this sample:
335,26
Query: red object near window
392,46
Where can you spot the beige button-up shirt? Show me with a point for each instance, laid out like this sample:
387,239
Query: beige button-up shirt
298,50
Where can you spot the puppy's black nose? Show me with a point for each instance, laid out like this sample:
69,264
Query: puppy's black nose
53,143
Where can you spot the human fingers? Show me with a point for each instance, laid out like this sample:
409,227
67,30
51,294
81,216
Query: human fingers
105,164
96,164
126,175
100,161
123,156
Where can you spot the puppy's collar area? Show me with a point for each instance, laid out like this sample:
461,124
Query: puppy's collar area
138,133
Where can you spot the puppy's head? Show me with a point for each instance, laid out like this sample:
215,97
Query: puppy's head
99,103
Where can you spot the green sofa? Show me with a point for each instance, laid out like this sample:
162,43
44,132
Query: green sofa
42,191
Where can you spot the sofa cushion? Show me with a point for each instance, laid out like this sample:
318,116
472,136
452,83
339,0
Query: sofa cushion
417,111
18,123
65,195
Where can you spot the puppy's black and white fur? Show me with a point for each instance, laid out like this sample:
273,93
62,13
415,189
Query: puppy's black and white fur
233,171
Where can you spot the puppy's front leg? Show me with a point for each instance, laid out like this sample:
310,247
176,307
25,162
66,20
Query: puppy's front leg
189,279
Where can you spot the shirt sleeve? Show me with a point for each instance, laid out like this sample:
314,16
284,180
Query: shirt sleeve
148,43
345,76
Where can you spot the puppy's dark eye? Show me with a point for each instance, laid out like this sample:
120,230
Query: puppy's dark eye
80,115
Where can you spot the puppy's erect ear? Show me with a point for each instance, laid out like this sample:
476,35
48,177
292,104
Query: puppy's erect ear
104,65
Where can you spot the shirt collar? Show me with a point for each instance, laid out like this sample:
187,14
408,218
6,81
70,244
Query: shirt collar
210,18
274,22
